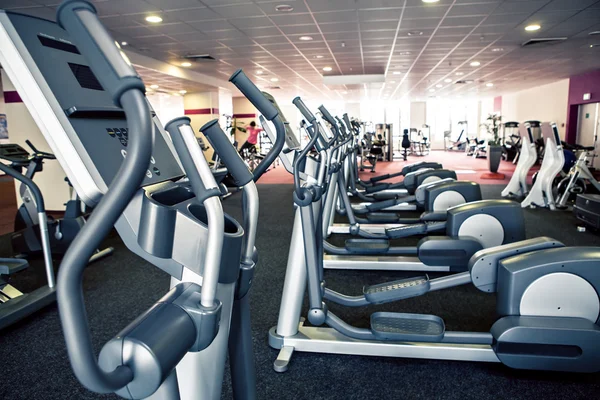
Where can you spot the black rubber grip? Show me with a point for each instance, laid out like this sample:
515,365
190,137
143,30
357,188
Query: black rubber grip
326,115
252,93
113,71
347,121
219,140
303,109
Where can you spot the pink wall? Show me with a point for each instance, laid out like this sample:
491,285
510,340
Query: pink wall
578,85
498,104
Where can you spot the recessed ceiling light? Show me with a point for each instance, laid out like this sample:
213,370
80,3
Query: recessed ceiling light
344,92
431,90
489,84
284,8
497,49
259,72
182,91
396,72
430,1
305,38
186,64
124,43
594,45
475,64
274,80
414,33
460,73
439,85
447,80
319,56
327,69
155,19
533,27
154,86
404,53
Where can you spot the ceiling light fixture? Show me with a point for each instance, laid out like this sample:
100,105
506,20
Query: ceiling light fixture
460,73
305,38
154,86
124,43
439,85
396,72
489,84
319,56
447,80
327,69
274,80
475,64
430,1
404,53
259,72
284,8
594,45
497,49
186,64
431,90
182,91
344,92
414,33
532,28
154,19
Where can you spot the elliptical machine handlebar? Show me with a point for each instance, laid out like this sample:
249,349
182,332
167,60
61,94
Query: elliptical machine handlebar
262,104
327,116
79,19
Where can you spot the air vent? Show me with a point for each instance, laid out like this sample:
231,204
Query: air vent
199,57
272,87
461,82
539,42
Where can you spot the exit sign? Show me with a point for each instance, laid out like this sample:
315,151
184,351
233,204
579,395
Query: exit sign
587,96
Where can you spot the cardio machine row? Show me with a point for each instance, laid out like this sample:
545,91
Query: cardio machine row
177,349
451,208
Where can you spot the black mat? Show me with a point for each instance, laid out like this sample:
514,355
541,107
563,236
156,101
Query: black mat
117,289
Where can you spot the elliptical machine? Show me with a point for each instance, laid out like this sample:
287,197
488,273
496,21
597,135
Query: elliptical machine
26,241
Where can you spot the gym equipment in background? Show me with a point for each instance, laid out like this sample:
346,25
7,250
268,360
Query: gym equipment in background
587,209
579,177
468,228
459,144
511,141
26,240
406,143
517,186
547,302
14,304
174,223
542,191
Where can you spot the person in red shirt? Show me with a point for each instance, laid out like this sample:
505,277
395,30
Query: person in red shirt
250,143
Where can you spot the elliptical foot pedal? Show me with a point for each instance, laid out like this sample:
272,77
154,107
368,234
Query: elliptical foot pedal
367,246
403,327
396,290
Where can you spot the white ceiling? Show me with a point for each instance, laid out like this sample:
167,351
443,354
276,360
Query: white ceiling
361,37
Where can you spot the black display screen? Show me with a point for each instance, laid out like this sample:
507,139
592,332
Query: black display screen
57,44
85,77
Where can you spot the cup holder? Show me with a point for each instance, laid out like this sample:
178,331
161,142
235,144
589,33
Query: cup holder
199,212
173,196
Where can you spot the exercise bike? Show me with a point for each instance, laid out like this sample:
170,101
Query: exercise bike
578,178
26,240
